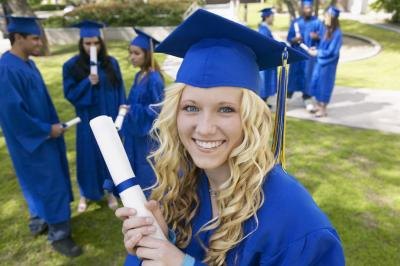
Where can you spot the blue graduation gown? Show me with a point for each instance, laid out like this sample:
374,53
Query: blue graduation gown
26,116
89,102
292,230
268,78
324,74
300,73
138,122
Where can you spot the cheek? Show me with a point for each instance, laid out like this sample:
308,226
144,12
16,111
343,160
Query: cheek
183,127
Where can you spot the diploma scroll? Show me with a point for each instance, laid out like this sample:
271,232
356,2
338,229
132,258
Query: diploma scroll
93,60
304,47
120,118
120,169
297,29
71,122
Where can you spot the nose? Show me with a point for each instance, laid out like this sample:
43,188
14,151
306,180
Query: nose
206,124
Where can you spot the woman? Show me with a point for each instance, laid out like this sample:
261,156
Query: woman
146,91
324,74
218,187
92,95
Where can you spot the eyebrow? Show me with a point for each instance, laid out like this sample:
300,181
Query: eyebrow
219,103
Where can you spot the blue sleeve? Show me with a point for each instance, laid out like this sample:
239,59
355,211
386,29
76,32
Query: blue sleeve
121,88
265,31
80,94
331,53
142,115
321,247
29,131
291,32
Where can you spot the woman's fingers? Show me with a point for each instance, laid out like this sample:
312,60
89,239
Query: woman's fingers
144,223
124,213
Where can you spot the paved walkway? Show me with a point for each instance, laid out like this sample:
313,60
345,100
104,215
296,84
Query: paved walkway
360,108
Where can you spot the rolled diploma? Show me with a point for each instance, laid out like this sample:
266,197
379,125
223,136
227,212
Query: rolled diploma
120,169
93,60
120,117
297,29
304,47
71,122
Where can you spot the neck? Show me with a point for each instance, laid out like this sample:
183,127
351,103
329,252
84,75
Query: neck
217,177
18,52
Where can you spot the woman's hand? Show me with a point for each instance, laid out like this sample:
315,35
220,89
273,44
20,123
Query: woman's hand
313,51
158,252
94,79
134,227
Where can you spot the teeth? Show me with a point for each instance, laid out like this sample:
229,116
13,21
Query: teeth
208,144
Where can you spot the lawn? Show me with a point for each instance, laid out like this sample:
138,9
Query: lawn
353,174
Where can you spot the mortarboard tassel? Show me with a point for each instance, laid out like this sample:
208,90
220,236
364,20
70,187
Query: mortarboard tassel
152,54
278,143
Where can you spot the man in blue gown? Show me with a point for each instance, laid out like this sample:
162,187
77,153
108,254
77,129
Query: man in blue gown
268,78
34,139
306,30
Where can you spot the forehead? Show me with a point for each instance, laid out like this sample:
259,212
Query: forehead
212,95
90,39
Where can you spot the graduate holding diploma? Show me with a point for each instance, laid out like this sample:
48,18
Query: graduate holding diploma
93,84
34,137
220,188
147,90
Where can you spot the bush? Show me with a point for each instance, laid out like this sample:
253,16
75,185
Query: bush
155,13
48,7
390,6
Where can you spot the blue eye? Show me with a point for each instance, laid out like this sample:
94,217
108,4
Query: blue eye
226,109
191,108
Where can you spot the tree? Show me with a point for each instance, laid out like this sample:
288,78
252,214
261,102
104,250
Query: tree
389,6
22,8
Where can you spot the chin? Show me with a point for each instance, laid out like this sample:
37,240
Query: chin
206,164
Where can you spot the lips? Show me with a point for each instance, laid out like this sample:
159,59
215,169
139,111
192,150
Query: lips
208,144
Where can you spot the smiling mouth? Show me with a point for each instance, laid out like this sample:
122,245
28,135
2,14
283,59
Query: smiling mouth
208,145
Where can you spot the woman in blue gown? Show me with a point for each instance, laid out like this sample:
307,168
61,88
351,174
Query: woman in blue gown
324,74
92,95
223,198
146,91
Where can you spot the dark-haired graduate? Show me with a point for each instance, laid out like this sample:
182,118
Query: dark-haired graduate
147,90
34,137
92,95
224,199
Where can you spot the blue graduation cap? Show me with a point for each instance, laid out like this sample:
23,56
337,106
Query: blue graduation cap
27,25
143,40
220,52
266,12
333,11
89,28
307,3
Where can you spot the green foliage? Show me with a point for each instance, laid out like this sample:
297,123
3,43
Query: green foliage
126,14
390,6
48,7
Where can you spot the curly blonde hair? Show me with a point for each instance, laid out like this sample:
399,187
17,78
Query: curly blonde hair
177,176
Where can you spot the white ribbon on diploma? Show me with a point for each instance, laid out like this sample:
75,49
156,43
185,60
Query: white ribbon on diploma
297,29
93,60
120,169
71,122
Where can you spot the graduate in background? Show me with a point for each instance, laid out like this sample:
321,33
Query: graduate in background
146,91
303,30
92,95
327,56
34,138
219,188
268,78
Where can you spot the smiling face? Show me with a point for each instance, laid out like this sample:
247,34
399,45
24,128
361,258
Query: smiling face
30,45
209,124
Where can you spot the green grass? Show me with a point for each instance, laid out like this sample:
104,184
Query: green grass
379,72
353,174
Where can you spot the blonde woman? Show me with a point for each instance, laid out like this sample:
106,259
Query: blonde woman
223,201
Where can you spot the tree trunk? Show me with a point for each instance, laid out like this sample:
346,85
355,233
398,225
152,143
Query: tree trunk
22,8
316,8
292,7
